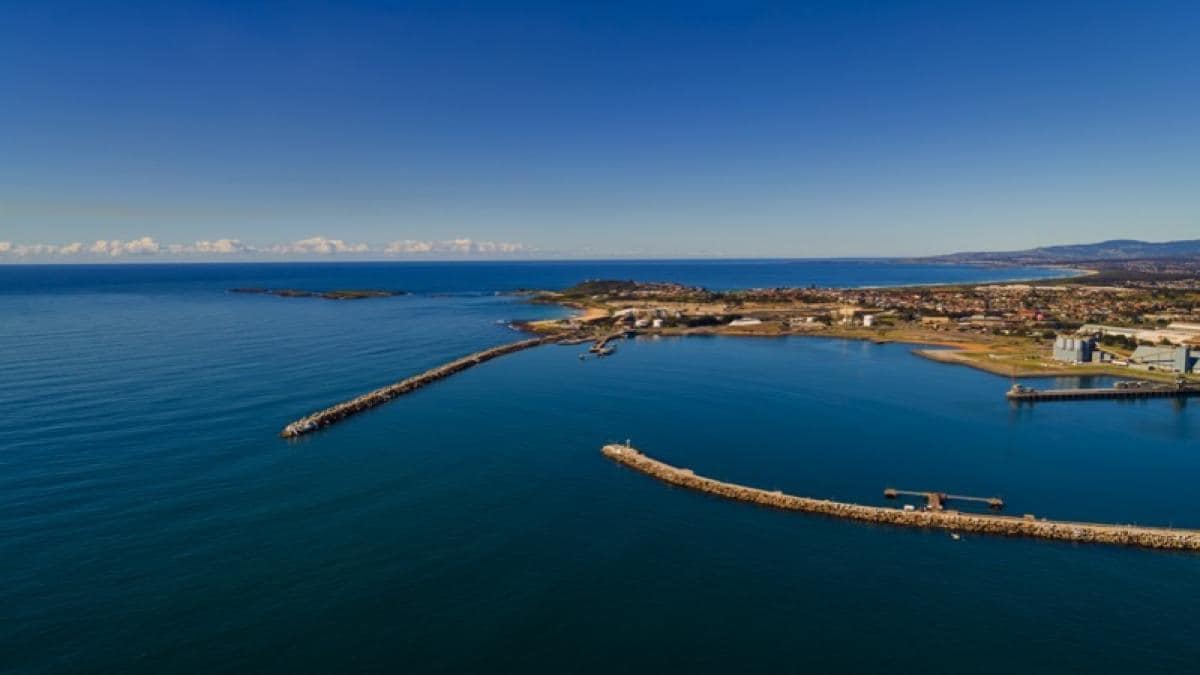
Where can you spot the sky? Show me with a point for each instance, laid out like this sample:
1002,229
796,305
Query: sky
574,129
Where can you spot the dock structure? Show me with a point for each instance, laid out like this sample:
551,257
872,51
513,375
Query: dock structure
953,521
936,501
1135,390
601,343
340,411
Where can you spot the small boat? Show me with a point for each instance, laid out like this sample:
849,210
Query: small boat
955,536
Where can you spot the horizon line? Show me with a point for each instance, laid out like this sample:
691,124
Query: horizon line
931,259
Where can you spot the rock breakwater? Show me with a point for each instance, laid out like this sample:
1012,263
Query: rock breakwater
1089,533
335,413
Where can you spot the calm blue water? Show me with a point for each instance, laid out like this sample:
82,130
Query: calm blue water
151,521
475,277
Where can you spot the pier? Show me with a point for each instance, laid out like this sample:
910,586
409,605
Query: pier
335,413
942,519
936,501
1122,390
601,343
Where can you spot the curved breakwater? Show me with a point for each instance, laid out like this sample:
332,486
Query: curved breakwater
335,413
1091,533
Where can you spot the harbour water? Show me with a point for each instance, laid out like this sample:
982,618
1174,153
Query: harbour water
152,521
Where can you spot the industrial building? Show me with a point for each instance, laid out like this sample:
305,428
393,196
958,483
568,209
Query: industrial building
1176,333
1073,349
1166,357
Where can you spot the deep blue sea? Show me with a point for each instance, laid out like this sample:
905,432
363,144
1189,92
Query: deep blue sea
151,521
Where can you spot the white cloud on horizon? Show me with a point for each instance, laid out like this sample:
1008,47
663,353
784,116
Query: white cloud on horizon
454,246
222,246
311,247
116,248
10,250
320,246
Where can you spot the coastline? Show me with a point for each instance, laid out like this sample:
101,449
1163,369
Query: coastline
975,354
971,354
1073,272
698,311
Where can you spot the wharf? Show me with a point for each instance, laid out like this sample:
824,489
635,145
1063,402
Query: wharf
1022,393
935,501
602,342
340,411
954,521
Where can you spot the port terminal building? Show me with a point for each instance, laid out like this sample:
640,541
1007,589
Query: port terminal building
1171,358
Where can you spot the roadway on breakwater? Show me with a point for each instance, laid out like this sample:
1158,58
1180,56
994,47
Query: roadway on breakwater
1090,533
336,413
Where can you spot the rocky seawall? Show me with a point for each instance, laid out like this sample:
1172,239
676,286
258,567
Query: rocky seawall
1089,533
336,413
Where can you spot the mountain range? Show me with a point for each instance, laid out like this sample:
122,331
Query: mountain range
1113,250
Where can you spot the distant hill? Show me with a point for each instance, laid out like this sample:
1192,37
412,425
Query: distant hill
1112,250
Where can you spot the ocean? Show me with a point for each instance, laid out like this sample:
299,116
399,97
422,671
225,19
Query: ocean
151,520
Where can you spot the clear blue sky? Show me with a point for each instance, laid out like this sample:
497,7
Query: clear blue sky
646,128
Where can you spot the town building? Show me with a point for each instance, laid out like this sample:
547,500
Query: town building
745,321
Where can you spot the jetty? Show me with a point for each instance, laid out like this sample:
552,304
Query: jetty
1122,390
601,343
942,519
936,501
340,411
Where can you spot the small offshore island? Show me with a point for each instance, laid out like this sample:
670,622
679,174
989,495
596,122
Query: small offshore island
347,294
